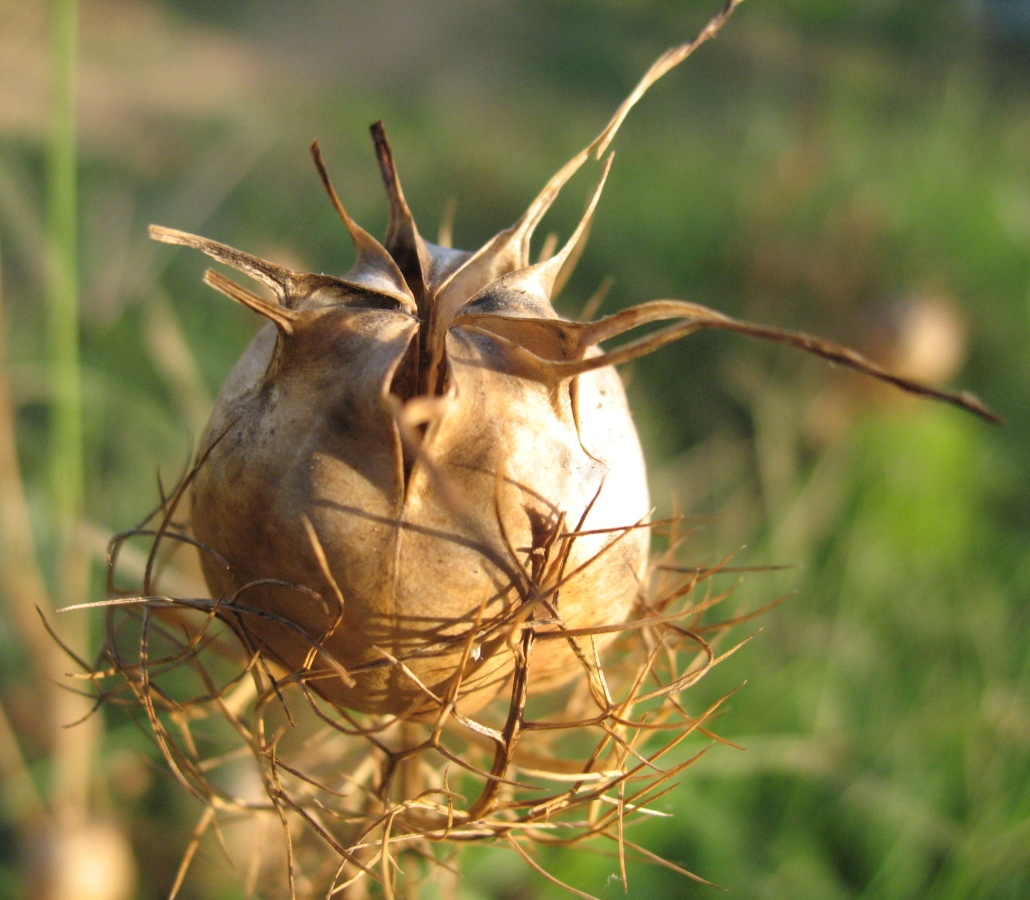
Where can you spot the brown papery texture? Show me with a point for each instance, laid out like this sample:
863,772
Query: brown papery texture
421,509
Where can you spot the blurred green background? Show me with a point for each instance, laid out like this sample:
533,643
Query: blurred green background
856,168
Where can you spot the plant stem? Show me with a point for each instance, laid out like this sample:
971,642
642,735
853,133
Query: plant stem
73,748
63,313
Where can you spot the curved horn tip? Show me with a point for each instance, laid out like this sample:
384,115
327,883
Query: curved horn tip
169,235
550,270
284,318
387,164
334,198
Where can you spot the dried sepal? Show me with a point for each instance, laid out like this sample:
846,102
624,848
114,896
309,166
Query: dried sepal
571,343
374,268
283,317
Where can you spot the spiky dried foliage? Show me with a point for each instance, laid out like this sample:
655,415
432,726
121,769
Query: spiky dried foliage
396,439
424,419
391,797
421,510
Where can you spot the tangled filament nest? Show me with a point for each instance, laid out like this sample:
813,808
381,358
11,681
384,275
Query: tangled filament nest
392,799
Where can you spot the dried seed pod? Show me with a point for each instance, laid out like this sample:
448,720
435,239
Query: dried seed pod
410,478
412,462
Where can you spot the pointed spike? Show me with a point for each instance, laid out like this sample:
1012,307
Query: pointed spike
277,278
284,319
664,64
594,302
564,261
509,250
522,231
695,317
445,234
402,238
400,214
545,274
375,267
516,240
548,247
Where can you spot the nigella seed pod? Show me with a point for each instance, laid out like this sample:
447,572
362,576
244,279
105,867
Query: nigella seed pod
391,454
414,463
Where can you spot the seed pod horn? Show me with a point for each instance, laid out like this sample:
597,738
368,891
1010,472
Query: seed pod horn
280,280
403,241
375,267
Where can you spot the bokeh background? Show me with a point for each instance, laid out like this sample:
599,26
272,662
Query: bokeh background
856,168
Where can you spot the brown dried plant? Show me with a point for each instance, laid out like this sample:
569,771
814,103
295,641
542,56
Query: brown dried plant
432,617
390,796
